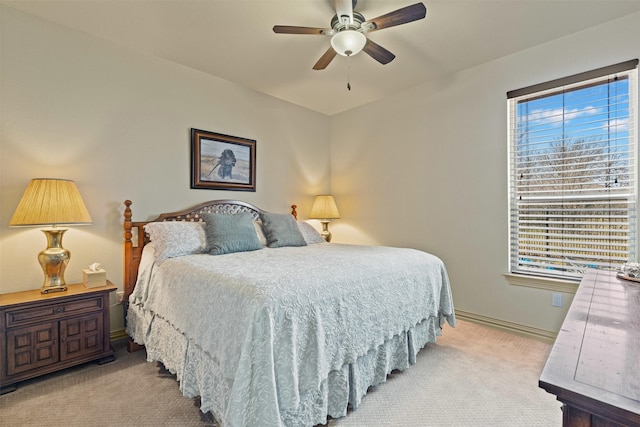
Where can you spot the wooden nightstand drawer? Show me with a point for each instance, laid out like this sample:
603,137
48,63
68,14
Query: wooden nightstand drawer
19,317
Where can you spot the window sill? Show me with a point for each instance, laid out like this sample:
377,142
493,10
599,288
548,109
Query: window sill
557,285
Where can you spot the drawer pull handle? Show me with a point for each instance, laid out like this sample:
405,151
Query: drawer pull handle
59,309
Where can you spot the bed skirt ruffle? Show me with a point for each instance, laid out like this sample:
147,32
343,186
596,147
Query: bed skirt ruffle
200,375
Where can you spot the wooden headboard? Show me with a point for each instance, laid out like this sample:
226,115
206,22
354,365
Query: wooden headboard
135,238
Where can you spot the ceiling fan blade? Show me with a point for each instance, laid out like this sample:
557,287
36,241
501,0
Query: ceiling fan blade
378,53
288,29
344,10
325,59
397,17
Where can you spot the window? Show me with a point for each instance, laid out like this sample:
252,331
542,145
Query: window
573,173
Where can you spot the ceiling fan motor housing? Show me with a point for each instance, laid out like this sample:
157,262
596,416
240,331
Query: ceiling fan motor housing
342,23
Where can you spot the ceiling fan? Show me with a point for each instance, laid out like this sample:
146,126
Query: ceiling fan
349,29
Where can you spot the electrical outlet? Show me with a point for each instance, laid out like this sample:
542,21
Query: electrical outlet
119,296
556,299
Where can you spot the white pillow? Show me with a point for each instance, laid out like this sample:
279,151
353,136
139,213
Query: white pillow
309,233
176,238
257,224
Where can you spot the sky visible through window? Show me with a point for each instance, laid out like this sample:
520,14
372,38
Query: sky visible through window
594,113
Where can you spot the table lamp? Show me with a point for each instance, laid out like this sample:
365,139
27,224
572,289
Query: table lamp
51,202
324,209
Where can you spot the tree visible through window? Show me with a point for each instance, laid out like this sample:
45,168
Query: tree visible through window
573,173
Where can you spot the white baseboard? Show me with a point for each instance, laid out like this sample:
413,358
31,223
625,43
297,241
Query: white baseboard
524,330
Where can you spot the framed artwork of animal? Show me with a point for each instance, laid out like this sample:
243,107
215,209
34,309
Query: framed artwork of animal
222,162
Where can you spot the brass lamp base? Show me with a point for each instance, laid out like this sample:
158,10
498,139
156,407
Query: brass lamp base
326,234
54,260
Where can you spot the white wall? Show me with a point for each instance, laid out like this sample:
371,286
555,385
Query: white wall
117,122
427,168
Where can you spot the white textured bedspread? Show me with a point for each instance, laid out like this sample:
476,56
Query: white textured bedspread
277,322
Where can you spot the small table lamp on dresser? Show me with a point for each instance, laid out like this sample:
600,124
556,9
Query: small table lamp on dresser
324,209
51,202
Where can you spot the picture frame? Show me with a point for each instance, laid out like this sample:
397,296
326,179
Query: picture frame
222,162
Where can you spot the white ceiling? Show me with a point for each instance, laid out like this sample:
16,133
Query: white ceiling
233,39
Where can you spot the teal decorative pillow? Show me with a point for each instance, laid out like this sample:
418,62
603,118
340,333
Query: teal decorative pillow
281,230
230,233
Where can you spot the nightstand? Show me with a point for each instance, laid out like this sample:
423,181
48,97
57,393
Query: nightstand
44,333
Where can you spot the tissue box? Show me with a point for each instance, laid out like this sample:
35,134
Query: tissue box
94,279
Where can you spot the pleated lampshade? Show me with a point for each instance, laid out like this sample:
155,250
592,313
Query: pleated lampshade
49,201
324,207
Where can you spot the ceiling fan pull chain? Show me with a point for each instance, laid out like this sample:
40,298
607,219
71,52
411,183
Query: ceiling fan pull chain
348,73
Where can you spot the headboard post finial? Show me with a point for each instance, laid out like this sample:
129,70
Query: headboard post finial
294,212
127,221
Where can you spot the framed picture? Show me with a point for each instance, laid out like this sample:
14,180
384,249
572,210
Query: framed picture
222,162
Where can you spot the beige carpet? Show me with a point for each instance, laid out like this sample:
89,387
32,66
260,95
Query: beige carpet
473,376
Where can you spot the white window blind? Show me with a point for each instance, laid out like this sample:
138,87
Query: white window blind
573,173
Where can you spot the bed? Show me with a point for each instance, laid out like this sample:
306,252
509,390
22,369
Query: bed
289,333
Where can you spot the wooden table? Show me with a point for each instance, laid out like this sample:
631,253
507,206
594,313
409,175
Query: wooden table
594,365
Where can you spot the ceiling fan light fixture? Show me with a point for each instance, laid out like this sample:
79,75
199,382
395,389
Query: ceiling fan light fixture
348,42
